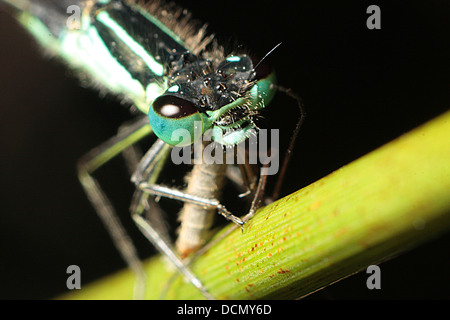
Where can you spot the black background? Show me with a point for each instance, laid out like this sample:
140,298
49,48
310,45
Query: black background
362,88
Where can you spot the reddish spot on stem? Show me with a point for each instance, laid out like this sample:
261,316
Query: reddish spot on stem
281,271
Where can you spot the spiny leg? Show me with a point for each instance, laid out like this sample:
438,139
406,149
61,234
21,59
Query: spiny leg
86,167
148,171
168,251
288,154
131,154
233,175
248,178
246,172
145,179
243,179
175,194
258,194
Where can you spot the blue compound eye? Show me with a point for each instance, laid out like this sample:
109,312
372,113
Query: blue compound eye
174,120
173,107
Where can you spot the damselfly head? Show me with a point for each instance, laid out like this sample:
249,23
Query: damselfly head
224,96
210,86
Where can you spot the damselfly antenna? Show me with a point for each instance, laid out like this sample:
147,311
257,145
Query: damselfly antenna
267,54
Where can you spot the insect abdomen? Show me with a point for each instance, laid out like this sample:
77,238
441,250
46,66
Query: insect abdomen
206,180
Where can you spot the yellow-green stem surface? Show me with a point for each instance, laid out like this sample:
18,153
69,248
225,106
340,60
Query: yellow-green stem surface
367,211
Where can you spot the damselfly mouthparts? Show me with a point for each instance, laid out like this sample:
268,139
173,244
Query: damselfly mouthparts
168,68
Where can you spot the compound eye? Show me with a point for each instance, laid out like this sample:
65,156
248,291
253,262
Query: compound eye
169,106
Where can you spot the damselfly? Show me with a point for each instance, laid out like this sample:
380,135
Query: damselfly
168,68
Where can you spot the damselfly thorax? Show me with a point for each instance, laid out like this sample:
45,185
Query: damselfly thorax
154,57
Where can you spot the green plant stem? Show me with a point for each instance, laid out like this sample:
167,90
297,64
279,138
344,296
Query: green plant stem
367,211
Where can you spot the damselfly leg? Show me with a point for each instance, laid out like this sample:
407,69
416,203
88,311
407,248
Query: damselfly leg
148,171
105,210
